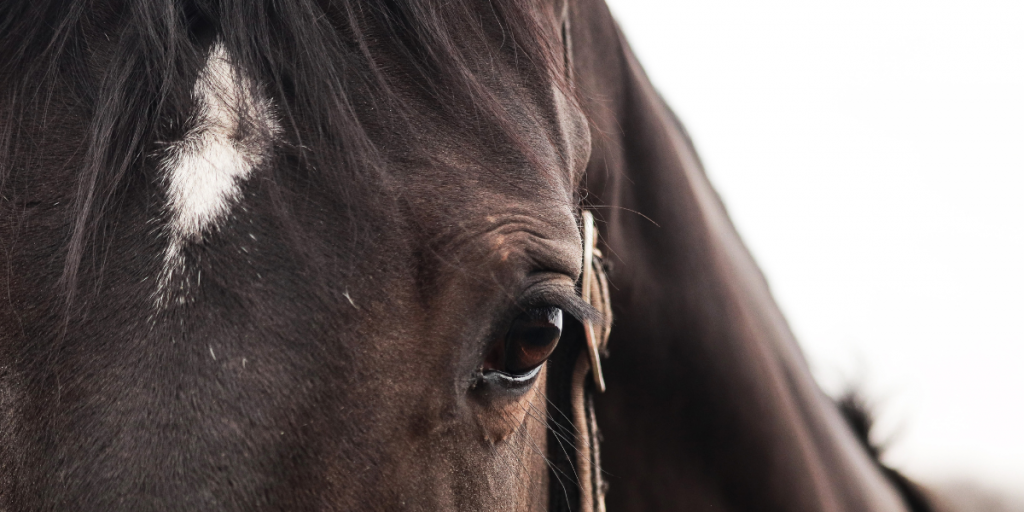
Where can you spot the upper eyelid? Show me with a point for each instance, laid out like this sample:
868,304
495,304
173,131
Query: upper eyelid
564,297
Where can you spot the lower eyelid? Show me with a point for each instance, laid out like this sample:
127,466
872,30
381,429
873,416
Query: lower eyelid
506,379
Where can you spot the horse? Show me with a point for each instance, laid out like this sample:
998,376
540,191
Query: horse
372,255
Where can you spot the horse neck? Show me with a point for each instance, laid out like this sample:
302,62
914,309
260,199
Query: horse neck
702,360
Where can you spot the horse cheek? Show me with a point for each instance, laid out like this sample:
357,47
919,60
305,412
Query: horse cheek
505,416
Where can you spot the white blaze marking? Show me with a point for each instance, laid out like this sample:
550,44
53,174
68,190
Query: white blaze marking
203,172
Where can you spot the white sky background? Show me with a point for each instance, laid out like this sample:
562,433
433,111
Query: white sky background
871,154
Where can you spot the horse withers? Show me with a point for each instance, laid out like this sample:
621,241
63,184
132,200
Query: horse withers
327,254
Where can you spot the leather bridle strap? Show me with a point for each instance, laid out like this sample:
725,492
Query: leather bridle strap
594,288
595,292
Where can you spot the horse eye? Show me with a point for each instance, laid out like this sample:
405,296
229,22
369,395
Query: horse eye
531,339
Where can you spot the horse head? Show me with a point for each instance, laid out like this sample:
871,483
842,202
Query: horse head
334,254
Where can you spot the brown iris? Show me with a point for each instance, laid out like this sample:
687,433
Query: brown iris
529,342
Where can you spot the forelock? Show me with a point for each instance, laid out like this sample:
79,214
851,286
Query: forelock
321,66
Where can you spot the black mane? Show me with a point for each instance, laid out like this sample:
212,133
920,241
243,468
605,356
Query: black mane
129,69
858,416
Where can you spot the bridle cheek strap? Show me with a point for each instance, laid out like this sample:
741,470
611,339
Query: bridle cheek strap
595,292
